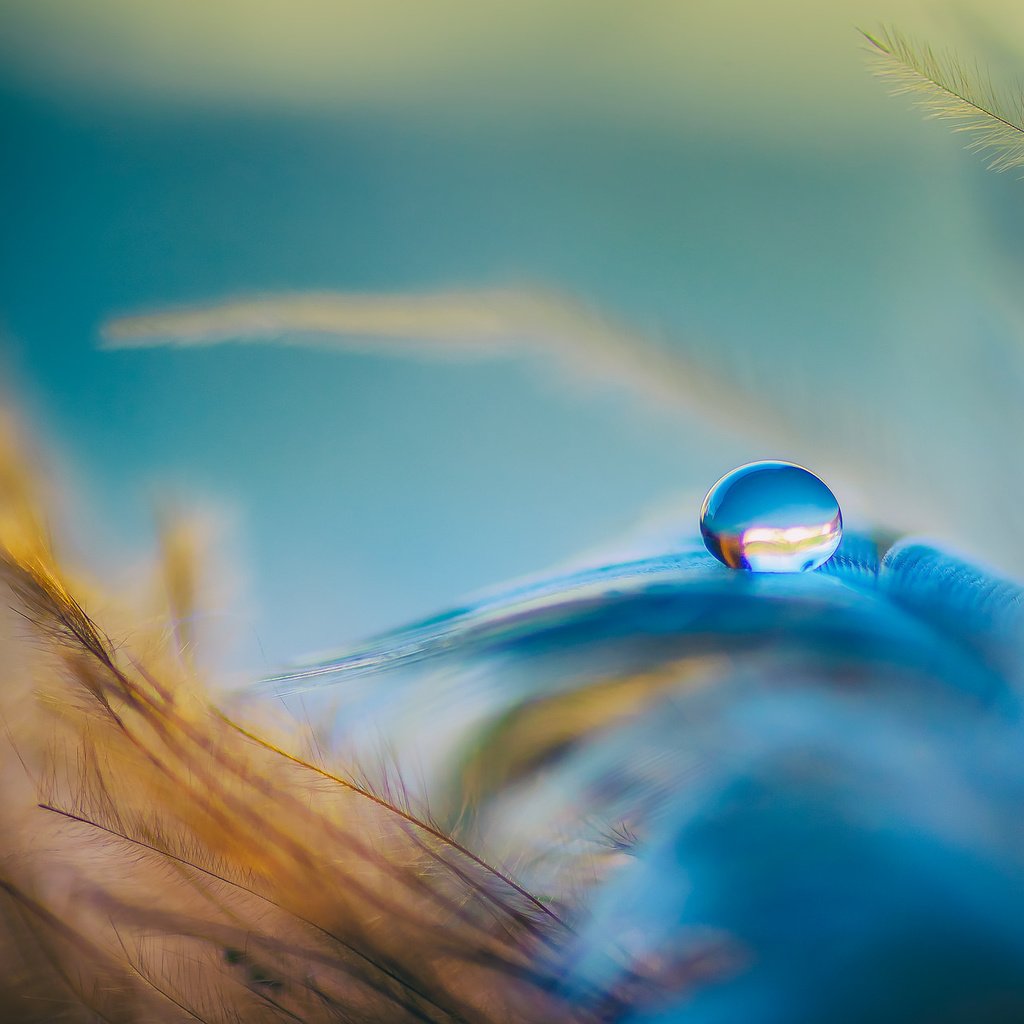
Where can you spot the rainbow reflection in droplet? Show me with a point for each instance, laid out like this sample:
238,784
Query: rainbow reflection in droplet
771,517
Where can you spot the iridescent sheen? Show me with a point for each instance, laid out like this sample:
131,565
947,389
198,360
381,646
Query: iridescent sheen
771,517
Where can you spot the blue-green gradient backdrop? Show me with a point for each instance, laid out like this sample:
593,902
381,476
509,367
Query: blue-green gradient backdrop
800,222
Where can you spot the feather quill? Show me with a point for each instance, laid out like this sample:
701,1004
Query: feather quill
944,89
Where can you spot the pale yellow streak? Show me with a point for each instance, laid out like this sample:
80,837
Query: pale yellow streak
790,540
791,535
475,323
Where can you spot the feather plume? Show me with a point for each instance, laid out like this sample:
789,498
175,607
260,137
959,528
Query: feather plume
161,862
481,323
705,781
945,90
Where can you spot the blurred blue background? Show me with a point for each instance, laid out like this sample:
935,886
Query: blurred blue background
727,179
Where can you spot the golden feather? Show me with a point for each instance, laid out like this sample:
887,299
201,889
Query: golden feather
943,88
159,862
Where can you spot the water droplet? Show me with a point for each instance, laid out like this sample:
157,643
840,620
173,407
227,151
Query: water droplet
771,517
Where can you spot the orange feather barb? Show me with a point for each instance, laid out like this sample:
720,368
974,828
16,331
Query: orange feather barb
160,862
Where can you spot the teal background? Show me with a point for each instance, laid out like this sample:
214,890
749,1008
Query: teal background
859,272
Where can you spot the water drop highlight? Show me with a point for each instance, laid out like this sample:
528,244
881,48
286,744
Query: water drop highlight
771,517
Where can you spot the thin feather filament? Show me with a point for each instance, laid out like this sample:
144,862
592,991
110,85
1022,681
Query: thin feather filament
945,90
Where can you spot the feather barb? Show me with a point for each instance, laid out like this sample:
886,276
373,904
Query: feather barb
944,89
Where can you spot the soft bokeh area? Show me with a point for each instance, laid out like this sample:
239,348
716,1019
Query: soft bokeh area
719,187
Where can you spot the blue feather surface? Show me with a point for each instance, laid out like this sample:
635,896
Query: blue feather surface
784,797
